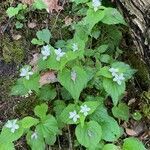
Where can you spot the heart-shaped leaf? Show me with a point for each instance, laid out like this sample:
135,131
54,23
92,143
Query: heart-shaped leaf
132,144
41,110
121,111
73,84
89,135
44,35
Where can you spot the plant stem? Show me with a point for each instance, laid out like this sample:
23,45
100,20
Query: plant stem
70,140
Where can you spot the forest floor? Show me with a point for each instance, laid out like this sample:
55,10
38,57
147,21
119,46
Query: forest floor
12,58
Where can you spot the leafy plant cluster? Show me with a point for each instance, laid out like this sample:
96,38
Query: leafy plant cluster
86,75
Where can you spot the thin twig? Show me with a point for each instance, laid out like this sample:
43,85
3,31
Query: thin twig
49,148
70,140
59,143
57,16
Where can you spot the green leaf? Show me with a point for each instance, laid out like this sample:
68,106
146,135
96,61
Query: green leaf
92,105
137,116
8,136
28,122
89,135
41,110
102,48
95,34
35,144
44,35
90,72
59,106
105,58
39,4
5,145
51,124
18,25
121,111
47,93
19,88
74,87
48,127
64,116
110,147
12,11
93,18
32,83
65,94
125,69
113,89
104,72
20,17
21,6
111,130
53,64
37,42
60,43
112,16
50,140
80,36
79,1
133,144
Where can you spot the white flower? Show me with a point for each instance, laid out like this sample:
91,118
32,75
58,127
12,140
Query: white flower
75,47
73,75
85,109
25,72
34,135
12,125
96,4
114,71
59,54
73,115
119,78
27,95
45,52
30,92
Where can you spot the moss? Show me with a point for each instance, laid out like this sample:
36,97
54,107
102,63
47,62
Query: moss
15,106
146,110
143,72
146,103
18,106
12,51
6,83
26,106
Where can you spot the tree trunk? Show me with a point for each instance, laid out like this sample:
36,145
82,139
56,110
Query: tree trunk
137,14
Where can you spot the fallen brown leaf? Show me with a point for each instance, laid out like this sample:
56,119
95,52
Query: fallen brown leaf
131,101
48,77
35,59
16,37
130,132
52,5
68,21
29,2
31,25
34,62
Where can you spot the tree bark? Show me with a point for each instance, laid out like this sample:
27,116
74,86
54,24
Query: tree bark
137,14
